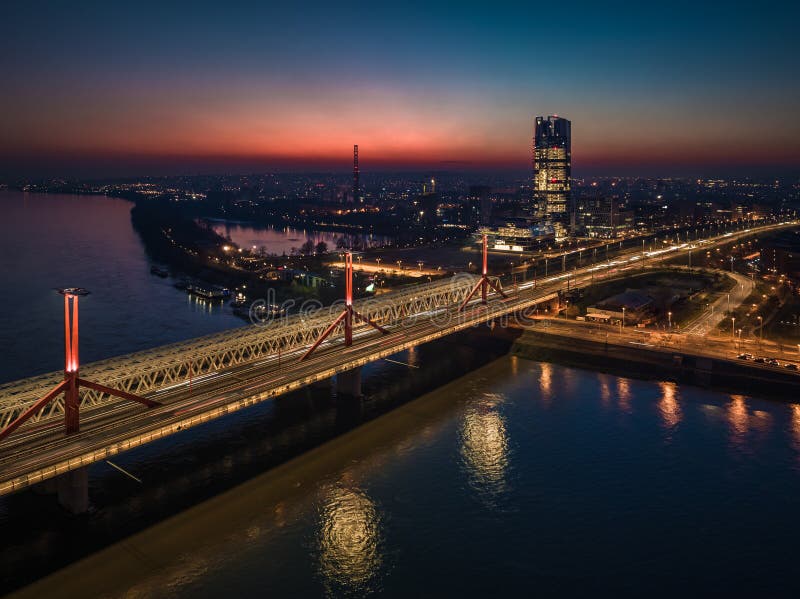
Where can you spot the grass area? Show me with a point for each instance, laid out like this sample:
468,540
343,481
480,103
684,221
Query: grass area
785,325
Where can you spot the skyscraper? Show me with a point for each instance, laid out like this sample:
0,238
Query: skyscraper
356,182
552,150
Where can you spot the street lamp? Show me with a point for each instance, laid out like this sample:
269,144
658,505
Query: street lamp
669,320
760,329
733,326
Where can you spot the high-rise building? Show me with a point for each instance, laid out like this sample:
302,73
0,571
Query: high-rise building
552,158
356,181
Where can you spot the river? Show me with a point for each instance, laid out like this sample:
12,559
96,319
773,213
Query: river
515,478
287,240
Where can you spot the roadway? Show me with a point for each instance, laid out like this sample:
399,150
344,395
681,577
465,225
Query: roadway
40,451
726,302
710,346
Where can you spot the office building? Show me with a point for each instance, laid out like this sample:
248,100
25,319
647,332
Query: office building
552,150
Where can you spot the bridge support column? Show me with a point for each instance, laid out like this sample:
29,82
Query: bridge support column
348,384
73,490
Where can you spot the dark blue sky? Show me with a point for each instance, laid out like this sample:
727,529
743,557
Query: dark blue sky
669,87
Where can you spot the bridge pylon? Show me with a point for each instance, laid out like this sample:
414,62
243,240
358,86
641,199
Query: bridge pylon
484,282
347,315
72,382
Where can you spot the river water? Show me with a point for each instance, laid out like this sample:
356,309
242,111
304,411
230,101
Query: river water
516,478
268,239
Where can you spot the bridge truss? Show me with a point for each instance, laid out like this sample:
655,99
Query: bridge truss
148,371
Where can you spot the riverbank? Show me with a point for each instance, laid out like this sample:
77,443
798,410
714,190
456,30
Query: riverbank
682,366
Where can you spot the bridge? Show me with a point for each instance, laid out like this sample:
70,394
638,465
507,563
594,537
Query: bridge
186,384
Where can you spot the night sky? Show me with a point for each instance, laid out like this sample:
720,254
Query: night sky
651,88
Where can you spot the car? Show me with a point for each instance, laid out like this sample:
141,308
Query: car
745,356
790,366
773,362
760,361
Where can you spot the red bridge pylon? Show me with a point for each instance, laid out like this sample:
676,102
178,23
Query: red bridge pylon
72,383
347,314
484,283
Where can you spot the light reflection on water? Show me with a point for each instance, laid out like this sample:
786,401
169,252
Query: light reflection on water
748,427
349,540
605,389
465,478
669,406
546,380
484,445
796,424
624,394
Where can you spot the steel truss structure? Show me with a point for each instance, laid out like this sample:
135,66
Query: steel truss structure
70,387
148,371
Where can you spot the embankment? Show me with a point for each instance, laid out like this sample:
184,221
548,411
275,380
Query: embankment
636,361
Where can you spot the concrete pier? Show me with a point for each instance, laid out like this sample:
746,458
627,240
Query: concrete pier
73,490
348,384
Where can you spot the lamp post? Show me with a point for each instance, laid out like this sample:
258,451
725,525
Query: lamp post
733,327
760,330
669,320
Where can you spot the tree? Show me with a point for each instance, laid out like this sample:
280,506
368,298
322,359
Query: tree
307,248
322,248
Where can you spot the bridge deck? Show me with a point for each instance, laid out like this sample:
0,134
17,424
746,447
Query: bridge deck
40,450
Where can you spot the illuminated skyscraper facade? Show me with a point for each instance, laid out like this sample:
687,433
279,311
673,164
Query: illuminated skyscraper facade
552,158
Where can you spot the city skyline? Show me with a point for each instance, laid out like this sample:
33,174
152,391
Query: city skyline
155,90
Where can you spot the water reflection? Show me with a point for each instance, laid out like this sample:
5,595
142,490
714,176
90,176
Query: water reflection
624,394
484,445
605,390
277,241
668,405
737,418
796,422
413,358
349,554
546,380
743,422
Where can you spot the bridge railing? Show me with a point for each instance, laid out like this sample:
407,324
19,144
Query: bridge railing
150,370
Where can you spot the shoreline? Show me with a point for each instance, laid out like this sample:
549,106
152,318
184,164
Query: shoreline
680,366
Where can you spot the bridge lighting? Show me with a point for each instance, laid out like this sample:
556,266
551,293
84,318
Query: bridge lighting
72,383
483,283
347,314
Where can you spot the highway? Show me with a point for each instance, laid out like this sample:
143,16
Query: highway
40,450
